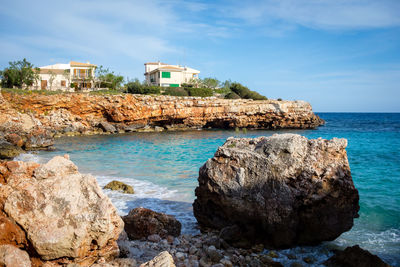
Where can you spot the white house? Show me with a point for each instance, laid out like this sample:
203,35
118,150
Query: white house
61,76
161,74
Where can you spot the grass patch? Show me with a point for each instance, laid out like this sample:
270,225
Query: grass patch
19,91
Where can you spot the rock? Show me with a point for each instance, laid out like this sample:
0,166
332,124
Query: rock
273,254
282,191
120,186
141,222
107,127
39,139
154,238
355,257
8,150
164,259
214,254
180,256
11,256
15,139
64,214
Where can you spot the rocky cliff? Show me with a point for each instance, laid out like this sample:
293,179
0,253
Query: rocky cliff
85,113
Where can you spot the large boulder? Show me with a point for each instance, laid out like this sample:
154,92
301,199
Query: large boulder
64,214
141,223
355,257
282,190
164,259
119,186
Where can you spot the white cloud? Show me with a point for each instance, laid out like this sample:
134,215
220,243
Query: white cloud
324,14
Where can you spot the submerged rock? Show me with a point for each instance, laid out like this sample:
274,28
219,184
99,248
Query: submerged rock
141,222
355,257
283,190
8,150
120,186
64,214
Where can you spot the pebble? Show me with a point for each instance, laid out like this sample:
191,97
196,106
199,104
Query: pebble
154,238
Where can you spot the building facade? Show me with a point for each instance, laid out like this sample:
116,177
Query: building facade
161,74
67,77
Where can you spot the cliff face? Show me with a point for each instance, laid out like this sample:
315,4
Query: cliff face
66,113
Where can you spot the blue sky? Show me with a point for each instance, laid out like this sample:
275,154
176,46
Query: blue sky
339,55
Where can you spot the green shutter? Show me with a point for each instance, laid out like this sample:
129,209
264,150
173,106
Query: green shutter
166,75
174,85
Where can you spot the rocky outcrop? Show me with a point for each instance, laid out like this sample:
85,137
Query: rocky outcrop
55,213
282,190
355,257
87,114
120,186
141,223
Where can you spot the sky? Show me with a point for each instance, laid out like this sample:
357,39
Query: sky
339,55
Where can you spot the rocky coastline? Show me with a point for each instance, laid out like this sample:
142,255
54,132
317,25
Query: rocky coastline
32,121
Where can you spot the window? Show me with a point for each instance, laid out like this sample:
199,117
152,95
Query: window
166,74
63,83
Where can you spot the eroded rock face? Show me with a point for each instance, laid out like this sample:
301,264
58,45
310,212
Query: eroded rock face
141,223
282,190
8,150
64,214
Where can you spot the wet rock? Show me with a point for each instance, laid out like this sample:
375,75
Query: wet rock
107,127
8,150
39,139
164,259
282,191
120,186
214,254
355,257
141,222
154,238
11,256
15,139
64,214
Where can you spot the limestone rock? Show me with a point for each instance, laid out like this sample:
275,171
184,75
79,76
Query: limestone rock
107,127
11,256
63,213
15,139
282,191
39,138
120,186
8,150
141,222
164,259
355,257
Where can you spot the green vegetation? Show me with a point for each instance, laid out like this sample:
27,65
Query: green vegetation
203,92
20,91
135,87
175,91
18,74
245,92
107,79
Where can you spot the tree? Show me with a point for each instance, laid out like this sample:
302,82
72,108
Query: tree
109,79
245,92
211,83
19,73
51,79
67,76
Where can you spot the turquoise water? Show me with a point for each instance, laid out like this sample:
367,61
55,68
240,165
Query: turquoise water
163,168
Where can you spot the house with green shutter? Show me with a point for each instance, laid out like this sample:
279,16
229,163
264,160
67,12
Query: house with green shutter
166,75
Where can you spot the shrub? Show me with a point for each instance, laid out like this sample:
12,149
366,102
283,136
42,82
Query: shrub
138,88
232,95
203,92
279,99
245,92
175,91
255,96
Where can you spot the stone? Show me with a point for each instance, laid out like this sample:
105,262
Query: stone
355,257
39,139
164,259
15,139
120,186
180,256
154,238
141,222
282,191
107,127
64,214
11,256
214,254
8,150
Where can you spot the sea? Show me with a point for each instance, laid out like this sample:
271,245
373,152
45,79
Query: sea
163,169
